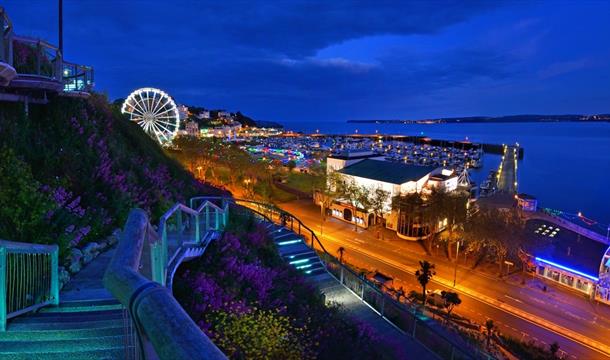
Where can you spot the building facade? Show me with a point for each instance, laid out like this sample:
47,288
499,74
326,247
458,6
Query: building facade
370,171
569,259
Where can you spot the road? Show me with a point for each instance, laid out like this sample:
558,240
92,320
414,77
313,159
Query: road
519,311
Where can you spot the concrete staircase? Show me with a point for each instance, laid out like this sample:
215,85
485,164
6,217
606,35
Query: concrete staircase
293,250
87,324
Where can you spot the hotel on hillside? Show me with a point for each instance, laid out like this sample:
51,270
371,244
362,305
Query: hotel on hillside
372,171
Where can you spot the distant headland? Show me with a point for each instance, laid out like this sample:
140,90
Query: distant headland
493,119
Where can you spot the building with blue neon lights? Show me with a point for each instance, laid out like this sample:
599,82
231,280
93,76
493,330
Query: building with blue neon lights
569,258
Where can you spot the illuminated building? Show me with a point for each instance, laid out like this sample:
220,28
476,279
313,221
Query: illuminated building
569,258
367,170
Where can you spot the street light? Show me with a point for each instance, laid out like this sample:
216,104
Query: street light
457,254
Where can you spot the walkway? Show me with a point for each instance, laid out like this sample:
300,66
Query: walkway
507,173
87,324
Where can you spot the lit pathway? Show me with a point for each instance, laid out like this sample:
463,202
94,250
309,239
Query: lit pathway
507,173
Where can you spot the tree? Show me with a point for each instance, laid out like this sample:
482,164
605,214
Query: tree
424,275
351,192
499,234
341,251
291,165
554,350
489,327
378,200
451,300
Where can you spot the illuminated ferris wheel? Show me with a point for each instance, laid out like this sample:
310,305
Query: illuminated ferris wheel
155,111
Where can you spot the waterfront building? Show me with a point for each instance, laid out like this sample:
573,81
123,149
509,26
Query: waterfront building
228,131
339,161
369,170
183,112
569,258
526,202
203,115
224,114
192,128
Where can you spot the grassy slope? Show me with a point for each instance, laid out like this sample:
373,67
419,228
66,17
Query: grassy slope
91,164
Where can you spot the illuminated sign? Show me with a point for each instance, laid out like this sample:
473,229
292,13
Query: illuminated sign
567,269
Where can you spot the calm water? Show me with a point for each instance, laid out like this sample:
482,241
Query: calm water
566,165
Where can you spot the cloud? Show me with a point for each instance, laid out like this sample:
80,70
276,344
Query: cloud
565,67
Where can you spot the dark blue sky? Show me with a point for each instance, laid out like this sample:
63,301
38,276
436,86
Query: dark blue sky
336,60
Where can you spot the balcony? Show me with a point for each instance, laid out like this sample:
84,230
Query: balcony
33,65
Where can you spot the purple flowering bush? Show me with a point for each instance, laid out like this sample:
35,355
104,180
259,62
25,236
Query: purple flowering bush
242,275
81,167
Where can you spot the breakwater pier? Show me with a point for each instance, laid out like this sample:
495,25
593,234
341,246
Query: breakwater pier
496,149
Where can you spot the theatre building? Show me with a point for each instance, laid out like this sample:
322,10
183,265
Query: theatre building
569,258
368,170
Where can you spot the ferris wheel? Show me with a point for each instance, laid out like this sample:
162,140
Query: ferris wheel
155,111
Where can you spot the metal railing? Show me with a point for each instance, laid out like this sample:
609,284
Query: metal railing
29,278
410,320
77,77
183,226
161,327
38,59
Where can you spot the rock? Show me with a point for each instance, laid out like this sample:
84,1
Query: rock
76,258
114,238
90,251
64,276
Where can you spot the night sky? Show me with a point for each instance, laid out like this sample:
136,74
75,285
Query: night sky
335,60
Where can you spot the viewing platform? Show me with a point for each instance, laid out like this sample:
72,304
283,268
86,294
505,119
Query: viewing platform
31,69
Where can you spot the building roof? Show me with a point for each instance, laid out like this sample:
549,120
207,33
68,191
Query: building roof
386,171
524,196
354,155
565,247
442,177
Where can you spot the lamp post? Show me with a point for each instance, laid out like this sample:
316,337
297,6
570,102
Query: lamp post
457,253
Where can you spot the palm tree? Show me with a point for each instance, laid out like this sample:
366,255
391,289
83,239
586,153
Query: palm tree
424,275
341,250
489,326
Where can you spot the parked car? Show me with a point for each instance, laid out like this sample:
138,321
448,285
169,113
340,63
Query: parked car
435,297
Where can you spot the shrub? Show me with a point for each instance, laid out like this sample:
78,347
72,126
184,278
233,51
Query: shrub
243,275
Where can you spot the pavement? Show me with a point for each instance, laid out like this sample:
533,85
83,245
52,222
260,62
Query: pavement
580,326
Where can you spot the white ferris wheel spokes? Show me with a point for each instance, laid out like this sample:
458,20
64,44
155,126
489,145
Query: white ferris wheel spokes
155,111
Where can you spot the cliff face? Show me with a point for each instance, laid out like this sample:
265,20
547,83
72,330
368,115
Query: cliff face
71,170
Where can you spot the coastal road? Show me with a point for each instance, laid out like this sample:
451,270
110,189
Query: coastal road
518,310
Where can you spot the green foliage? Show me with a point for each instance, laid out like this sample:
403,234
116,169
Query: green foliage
23,209
529,350
451,299
259,334
89,163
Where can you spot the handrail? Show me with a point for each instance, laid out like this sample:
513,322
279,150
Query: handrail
157,315
286,213
29,278
160,256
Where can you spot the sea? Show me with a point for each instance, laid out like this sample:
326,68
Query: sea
566,165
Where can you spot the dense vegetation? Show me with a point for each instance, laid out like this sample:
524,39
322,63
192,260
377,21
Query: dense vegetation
70,171
253,305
